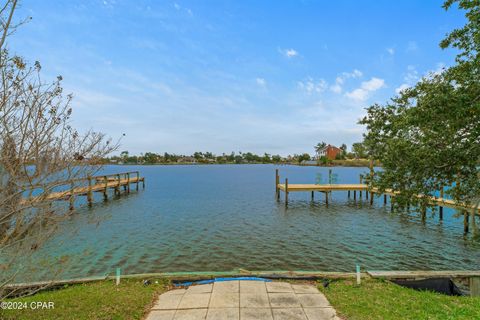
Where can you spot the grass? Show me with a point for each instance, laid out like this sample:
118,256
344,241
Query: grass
95,300
377,299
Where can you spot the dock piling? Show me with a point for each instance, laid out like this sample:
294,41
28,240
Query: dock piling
440,209
465,221
89,193
72,196
286,191
277,181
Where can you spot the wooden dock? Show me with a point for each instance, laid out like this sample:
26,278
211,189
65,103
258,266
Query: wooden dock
87,186
442,202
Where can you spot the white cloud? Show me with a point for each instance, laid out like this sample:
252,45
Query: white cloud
402,87
311,86
357,94
178,7
340,80
362,93
412,46
261,82
336,88
391,51
373,84
289,53
410,78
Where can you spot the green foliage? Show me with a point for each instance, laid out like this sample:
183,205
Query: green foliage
303,157
320,146
429,135
96,300
359,150
382,300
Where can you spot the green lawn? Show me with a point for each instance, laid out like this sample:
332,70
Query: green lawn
376,299
96,300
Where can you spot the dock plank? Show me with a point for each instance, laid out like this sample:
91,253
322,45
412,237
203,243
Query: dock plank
363,187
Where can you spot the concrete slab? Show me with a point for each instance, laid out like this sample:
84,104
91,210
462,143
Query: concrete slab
161,315
203,288
289,314
320,313
284,300
243,300
256,314
175,291
194,300
252,287
278,287
224,300
227,286
254,300
168,301
191,314
223,314
305,288
313,300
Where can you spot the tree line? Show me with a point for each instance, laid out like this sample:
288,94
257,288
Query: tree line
358,152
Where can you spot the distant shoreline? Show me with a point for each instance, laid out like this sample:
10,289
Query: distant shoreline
334,163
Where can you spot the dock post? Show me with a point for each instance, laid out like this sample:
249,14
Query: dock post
384,199
424,213
89,194
354,195
286,192
72,196
138,177
348,194
105,190
366,194
143,183
277,180
313,195
361,181
128,182
326,198
371,198
391,204
440,209
465,221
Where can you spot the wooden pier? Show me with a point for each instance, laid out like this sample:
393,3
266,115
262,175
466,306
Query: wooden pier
87,186
286,187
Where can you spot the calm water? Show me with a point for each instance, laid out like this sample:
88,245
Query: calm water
217,218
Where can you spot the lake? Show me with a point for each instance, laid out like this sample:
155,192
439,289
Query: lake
224,217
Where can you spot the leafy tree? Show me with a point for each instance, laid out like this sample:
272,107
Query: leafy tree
266,158
276,158
428,136
359,150
150,157
303,157
320,146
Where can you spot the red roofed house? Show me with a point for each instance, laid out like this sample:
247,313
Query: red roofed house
330,152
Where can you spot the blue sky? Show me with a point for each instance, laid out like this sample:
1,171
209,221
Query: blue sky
222,76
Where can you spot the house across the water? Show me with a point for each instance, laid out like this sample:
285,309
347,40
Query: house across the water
330,152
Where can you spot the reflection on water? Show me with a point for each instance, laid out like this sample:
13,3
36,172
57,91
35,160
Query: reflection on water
214,218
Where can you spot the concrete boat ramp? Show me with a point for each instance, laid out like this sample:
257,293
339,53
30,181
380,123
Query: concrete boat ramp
243,300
